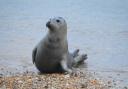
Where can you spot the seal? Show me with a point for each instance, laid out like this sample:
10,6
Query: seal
51,54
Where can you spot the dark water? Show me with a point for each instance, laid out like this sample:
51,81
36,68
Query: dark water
97,27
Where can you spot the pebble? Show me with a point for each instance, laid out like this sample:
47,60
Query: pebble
20,81
56,81
125,87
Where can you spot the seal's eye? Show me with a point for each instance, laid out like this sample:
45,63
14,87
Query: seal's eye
57,21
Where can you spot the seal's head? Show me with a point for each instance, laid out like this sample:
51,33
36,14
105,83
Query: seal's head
57,24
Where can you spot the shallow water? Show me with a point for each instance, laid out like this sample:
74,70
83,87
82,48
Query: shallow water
99,28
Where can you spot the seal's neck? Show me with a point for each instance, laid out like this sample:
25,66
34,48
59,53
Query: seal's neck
56,37
58,34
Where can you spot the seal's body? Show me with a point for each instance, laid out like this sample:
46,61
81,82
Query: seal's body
51,54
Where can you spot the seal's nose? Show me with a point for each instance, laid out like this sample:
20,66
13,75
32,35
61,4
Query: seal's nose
48,24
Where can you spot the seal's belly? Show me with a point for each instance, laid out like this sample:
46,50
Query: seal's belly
48,61
48,65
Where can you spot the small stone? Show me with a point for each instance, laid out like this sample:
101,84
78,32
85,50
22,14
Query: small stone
39,79
20,81
125,87
46,87
67,76
1,75
115,84
109,86
109,76
2,68
84,85
109,82
118,74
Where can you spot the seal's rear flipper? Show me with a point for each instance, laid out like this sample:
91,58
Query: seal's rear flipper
80,59
75,53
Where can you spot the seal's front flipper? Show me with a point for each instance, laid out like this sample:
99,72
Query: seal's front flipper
64,65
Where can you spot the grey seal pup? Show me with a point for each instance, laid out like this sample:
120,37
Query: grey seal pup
51,54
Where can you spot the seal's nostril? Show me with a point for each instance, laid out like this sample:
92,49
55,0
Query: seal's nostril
48,24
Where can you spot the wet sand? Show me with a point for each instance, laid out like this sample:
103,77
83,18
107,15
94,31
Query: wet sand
99,28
